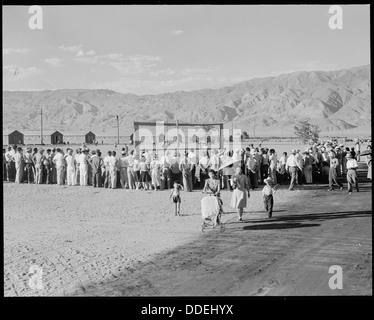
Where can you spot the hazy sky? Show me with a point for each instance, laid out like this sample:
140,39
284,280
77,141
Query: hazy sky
156,49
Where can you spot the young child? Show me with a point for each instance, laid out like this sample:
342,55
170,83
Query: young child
176,197
267,195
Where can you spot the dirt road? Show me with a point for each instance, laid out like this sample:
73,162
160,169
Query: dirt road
128,243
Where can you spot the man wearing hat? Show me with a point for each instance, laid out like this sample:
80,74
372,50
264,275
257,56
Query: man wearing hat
83,167
292,165
19,165
9,170
351,173
96,163
29,164
38,161
258,157
251,166
59,162
332,173
123,169
77,171
70,168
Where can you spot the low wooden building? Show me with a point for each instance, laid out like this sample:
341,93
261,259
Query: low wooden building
90,138
49,137
14,137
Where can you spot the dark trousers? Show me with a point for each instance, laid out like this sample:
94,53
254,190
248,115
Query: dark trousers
226,182
96,179
193,171
166,182
253,179
11,171
175,177
4,172
47,174
264,172
268,204
203,177
29,172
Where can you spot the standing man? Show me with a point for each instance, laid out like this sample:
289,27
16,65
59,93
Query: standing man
113,170
300,169
193,161
8,164
19,165
130,170
54,170
29,164
258,157
107,183
96,163
47,163
70,168
83,167
166,171
12,163
282,168
351,173
77,170
334,163
292,165
264,165
185,166
175,172
58,161
38,161
251,166
123,170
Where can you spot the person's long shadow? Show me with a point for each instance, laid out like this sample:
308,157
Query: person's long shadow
274,226
318,216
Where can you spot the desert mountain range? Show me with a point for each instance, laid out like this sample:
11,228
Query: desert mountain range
338,101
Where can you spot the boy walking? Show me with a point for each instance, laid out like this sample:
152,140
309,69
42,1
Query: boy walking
267,196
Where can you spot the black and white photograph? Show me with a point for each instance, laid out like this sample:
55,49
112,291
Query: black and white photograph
187,151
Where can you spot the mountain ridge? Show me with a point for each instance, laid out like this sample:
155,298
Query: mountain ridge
337,101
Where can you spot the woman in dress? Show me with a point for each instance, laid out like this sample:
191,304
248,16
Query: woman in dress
155,172
273,161
204,165
227,172
212,185
241,192
368,163
308,161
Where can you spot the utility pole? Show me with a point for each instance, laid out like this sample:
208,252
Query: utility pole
177,127
117,130
41,126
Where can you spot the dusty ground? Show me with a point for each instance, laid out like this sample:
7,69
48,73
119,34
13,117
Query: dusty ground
129,243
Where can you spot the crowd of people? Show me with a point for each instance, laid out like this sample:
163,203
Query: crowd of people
322,162
238,171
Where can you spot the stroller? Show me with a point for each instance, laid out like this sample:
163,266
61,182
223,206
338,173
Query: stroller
211,210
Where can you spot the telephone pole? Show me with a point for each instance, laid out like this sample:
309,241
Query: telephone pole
117,130
41,126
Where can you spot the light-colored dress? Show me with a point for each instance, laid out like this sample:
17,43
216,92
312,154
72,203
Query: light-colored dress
368,162
155,172
239,195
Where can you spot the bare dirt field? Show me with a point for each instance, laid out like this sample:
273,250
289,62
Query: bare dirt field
100,242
